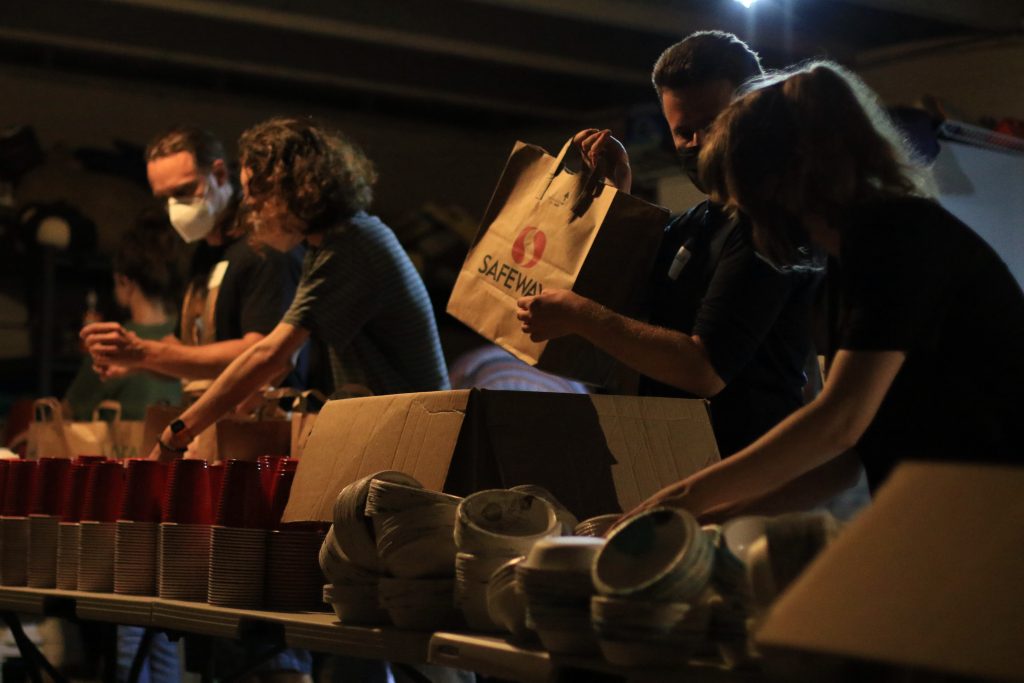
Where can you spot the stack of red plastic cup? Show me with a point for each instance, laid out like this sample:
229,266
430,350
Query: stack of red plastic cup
103,494
18,495
44,521
184,541
69,533
270,465
216,474
280,489
238,541
4,464
135,537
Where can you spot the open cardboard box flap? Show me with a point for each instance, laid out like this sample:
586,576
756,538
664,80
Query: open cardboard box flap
596,454
931,577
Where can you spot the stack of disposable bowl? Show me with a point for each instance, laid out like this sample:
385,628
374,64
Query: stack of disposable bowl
136,533
14,524
555,580
183,563
415,545
44,521
238,539
596,526
69,532
774,559
103,494
565,517
348,555
293,581
351,590
492,527
653,576
506,604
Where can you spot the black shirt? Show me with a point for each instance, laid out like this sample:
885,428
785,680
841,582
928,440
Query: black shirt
753,319
913,278
256,290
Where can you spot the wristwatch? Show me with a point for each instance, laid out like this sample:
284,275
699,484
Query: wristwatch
177,427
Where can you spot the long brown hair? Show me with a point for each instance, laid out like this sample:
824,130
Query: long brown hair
321,176
813,141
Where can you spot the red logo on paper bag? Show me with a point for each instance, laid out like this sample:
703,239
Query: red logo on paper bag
530,238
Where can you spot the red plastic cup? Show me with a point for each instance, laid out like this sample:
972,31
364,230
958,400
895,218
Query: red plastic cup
103,492
74,494
19,490
269,466
51,483
143,490
216,471
242,502
281,489
90,459
187,498
4,464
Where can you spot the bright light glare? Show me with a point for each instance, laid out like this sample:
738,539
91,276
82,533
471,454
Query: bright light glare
746,3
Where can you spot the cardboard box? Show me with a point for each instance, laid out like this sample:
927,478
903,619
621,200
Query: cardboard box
930,577
596,454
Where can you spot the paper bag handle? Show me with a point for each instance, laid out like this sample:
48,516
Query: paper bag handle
113,406
49,410
587,181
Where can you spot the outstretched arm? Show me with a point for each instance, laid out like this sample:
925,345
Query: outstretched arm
110,344
809,438
247,373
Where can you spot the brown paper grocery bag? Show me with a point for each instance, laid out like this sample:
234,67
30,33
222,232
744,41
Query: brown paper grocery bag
51,436
548,227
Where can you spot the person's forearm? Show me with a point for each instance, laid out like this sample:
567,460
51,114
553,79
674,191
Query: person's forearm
668,356
248,373
803,493
194,362
807,439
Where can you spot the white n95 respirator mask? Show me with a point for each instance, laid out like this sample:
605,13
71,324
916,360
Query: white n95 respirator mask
194,218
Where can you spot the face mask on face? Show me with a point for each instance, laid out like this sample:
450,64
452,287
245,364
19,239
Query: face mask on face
688,162
194,218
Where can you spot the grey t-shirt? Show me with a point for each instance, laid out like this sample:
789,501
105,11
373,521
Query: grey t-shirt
362,298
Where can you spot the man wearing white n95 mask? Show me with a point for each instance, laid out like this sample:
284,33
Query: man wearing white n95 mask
235,295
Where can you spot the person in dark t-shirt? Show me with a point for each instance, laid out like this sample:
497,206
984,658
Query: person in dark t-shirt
927,338
359,294
235,295
723,324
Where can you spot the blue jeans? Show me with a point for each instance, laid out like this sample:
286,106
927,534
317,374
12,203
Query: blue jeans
161,665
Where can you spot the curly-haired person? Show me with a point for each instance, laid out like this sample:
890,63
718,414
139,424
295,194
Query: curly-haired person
359,294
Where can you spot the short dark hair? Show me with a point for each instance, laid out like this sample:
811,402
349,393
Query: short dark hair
703,57
322,177
148,256
203,145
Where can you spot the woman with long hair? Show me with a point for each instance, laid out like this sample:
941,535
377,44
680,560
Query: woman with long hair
926,361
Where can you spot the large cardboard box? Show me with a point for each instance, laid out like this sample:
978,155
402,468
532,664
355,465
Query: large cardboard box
596,454
929,578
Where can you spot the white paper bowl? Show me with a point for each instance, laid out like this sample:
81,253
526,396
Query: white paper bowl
385,496
506,605
351,527
356,604
739,534
336,567
596,526
564,553
661,554
504,523
567,519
